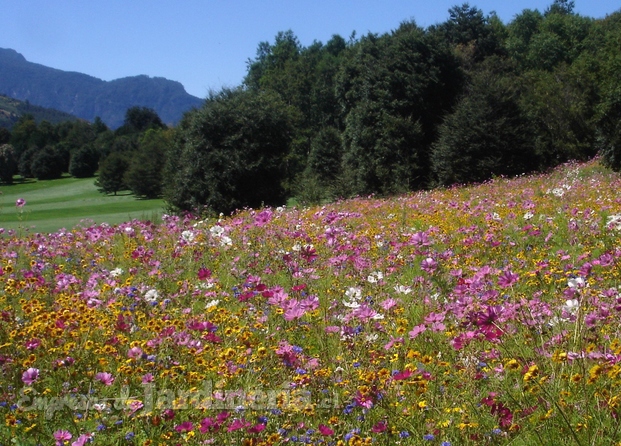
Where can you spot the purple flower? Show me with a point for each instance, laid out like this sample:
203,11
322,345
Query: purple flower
20,202
507,278
147,378
429,265
30,376
134,353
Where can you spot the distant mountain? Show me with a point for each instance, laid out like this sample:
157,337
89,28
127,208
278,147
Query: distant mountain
12,109
86,96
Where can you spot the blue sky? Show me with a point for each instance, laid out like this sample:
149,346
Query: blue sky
206,44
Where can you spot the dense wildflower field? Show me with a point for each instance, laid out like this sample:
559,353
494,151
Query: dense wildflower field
475,315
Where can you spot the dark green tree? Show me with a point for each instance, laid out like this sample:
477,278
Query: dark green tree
394,91
608,116
99,126
45,135
84,161
112,172
5,136
487,133
140,119
229,154
47,164
562,7
25,162
471,34
144,176
325,157
109,142
79,134
23,134
304,77
8,163
544,41
561,106
520,33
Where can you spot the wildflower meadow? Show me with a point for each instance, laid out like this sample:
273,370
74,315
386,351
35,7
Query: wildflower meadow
486,314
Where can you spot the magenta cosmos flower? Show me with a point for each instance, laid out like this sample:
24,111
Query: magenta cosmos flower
20,202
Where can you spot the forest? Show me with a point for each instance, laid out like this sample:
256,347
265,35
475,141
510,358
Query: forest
459,102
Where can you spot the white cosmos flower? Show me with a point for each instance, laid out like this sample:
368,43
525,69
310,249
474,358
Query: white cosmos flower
353,293
151,296
216,231
188,236
614,222
557,192
571,306
375,277
212,303
403,289
576,282
116,272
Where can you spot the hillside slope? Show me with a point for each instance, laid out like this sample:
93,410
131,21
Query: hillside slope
12,109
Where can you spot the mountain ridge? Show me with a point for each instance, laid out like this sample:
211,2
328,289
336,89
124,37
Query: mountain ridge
86,96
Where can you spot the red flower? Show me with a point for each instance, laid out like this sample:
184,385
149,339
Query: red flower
379,427
186,426
402,375
256,428
325,430
204,274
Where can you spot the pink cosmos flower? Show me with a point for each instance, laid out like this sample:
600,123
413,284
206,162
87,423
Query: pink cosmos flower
429,265
417,330
134,352
293,310
32,344
237,424
105,378
30,376
61,436
387,304
82,439
507,278
135,406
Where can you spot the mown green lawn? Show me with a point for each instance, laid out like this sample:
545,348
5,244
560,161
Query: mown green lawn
68,202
